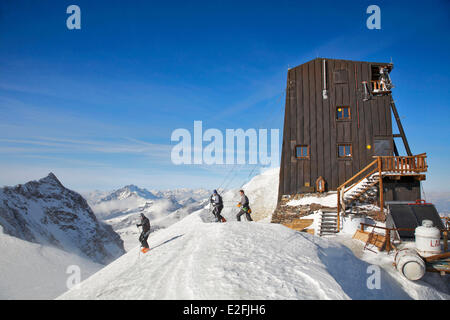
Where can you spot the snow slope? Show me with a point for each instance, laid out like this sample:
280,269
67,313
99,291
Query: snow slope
262,192
33,271
195,259
161,213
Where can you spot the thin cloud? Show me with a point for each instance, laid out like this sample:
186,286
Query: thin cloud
71,146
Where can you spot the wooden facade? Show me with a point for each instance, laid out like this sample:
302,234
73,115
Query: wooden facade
321,125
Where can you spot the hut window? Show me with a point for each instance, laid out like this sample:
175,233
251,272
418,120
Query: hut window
343,113
344,150
302,152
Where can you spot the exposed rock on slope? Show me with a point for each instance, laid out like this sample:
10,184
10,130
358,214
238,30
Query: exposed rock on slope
46,212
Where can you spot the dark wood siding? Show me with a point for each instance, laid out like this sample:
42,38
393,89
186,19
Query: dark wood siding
311,120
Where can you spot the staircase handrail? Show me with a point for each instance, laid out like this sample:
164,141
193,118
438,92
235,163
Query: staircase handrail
396,164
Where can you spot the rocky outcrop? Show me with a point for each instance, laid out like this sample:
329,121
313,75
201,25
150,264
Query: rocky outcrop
46,212
285,213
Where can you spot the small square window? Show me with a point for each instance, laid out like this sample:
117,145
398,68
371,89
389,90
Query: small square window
302,152
344,150
343,113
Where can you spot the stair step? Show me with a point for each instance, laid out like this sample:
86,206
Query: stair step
327,223
327,233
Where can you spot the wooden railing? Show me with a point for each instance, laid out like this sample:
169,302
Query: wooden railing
369,170
383,165
404,165
376,85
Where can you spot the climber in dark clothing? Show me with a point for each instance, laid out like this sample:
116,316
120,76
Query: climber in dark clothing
245,207
217,203
145,224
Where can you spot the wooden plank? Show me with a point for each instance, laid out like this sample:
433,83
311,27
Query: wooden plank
347,125
340,135
299,224
387,110
368,127
300,121
341,171
435,257
319,119
361,133
306,120
374,116
361,235
376,239
353,84
313,122
334,183
382,116
327,139
293,132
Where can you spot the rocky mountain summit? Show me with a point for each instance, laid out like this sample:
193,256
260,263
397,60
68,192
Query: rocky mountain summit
46,212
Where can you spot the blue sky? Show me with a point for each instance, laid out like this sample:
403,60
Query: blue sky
97,106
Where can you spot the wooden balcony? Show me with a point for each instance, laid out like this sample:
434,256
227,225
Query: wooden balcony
404,166
378,87
382,166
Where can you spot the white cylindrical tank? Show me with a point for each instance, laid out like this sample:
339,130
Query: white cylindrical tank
428,239
410,264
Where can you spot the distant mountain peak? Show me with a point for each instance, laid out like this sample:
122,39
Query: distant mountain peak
51,178
128,191
132,187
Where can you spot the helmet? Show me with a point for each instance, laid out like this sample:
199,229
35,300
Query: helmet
215,191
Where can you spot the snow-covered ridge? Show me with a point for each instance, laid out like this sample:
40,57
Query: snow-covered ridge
47,213
196,259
